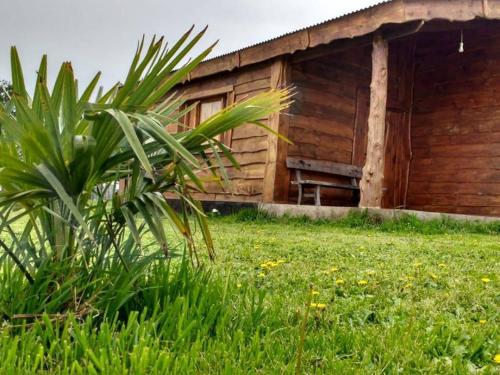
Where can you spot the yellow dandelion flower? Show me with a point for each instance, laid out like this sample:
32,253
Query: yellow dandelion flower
339,282
442,265
482,321
485,280
334,269
261,275
496,358
362,282
319,306
315,293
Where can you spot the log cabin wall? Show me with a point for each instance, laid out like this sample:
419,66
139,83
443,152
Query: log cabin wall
455,131
398,118
248,142
328,118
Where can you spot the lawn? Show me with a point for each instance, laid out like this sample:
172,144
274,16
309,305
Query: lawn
386,298
390,297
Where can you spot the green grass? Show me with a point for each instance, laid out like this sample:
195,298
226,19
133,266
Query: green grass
422,306
420,309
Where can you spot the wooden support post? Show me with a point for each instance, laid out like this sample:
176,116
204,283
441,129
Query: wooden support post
276,175
373,171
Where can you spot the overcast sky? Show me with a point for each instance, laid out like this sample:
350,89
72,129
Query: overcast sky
102,34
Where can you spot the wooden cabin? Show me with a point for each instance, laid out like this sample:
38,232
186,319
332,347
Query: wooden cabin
407,92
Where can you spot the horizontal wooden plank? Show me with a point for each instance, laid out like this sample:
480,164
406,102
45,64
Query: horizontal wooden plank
239,198
228,197
200,94
325,97
492,149
325,111
336,77
248,87
464,175
440,123
485,138
453,187
485,98
249,172
312,152
236,187
243,158
325,167
253,73
462,200
327,126
247,187
325,184
247,158
455,164
250,144
313,137
318,82
249,131
247,95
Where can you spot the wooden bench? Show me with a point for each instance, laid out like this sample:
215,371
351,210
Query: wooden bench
335,169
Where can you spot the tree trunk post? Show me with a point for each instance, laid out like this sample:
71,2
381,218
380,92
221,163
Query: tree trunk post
373,170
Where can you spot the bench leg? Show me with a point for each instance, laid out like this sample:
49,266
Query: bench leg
355,197
299,201
317,197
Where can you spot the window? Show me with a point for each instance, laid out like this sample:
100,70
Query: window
209,107
209,103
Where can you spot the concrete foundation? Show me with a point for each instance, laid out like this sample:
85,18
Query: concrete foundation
315,212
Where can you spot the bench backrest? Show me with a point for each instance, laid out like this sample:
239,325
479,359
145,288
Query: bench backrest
323,166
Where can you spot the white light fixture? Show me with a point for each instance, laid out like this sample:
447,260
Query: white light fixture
461,47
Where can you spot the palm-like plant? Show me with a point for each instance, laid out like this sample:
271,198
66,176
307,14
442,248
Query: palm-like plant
60,151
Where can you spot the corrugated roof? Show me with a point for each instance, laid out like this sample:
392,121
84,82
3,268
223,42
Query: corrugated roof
301,29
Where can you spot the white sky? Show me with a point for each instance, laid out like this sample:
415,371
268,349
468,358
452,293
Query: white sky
102,34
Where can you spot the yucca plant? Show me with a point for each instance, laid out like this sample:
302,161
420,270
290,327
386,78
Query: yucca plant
60,150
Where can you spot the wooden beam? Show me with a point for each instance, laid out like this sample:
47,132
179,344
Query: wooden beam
276,150
324,166
389,32
201,94
373,171
332,48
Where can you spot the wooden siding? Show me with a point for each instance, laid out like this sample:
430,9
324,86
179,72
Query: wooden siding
248,142
456,123
331,107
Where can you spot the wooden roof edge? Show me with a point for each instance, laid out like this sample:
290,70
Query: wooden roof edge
350,26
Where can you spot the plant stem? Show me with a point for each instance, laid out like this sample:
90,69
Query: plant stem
18,262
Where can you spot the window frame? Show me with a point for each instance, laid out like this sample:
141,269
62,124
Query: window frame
192,119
